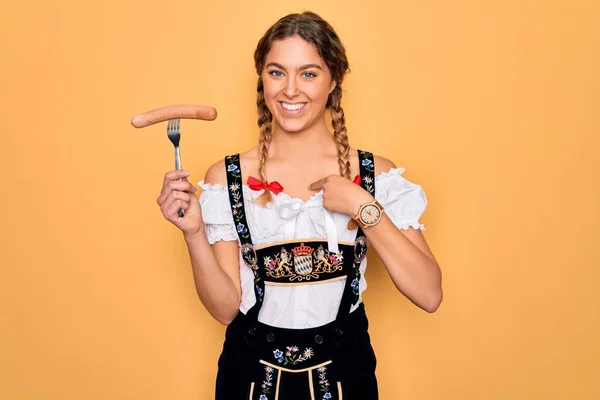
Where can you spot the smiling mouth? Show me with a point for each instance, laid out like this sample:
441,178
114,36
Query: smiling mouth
292,106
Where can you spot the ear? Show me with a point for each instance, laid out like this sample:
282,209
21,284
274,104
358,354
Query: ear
333,86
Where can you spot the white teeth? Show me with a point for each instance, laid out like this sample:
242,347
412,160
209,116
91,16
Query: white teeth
293,107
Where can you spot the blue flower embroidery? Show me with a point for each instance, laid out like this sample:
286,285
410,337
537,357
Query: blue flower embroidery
354,284
278,355
260,292
327,395
241,228
367,163
262,397
233,168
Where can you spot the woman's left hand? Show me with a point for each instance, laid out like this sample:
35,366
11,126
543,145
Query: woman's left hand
341,195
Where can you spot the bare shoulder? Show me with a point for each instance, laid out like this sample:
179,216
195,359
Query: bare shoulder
382,164
217,174
249,162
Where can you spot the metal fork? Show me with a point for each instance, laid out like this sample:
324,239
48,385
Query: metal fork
174,134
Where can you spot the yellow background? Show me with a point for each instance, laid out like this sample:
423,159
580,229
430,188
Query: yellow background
492,106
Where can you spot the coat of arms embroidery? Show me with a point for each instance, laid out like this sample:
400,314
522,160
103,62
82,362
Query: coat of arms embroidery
303,260
302,263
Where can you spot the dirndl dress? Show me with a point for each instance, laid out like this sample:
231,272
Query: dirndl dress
331,361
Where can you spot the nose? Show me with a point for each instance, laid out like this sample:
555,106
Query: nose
291,88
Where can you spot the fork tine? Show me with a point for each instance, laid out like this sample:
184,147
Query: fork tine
177,125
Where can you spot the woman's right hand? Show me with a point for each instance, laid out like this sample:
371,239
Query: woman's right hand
176,194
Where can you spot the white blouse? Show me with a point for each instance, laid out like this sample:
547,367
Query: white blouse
287,218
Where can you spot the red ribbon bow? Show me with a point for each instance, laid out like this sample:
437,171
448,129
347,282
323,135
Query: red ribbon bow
357,180
256,184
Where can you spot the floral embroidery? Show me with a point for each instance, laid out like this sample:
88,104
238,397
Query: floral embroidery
236,193
324,382
278,355
267,384
258,285
233,168
259,291
302,263
292,356
369,168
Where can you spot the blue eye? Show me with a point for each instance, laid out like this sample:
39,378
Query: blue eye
308,75
276,73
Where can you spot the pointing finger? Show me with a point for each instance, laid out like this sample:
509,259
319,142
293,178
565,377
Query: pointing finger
318,185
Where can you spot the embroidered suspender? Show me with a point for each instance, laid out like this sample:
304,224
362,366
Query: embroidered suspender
367,181
351,290
236,200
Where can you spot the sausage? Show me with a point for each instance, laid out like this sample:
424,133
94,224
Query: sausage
186,111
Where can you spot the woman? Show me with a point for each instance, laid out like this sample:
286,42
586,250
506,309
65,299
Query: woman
279,236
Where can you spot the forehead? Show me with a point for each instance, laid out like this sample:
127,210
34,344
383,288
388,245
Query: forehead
293,52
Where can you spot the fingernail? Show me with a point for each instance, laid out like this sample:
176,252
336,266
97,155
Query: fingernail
186,173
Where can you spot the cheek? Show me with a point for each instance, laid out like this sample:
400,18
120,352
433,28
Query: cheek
270,92
318,94
269,84
270,88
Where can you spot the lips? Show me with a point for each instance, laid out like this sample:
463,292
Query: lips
291,109
292,106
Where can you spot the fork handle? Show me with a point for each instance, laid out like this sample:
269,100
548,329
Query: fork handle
178,166
177,158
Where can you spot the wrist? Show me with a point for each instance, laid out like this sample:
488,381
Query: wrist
358,201
200,234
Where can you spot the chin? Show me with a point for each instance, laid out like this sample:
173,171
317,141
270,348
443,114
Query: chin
292,126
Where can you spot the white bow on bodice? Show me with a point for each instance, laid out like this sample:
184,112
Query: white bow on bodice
289,210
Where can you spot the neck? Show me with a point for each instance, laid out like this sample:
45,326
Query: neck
316,141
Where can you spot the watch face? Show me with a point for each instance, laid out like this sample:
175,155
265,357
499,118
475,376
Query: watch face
370,214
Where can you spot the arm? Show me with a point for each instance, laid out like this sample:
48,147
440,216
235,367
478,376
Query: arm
409,263
216,267
405,254
216,275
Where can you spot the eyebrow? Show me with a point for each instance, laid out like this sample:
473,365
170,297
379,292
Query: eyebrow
303,67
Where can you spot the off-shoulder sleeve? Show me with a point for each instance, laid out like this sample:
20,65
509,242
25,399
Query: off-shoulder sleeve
404,201
216,213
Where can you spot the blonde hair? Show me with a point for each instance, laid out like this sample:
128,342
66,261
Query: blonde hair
265,126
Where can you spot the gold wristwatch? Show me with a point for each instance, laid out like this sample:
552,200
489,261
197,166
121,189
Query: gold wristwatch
369,214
